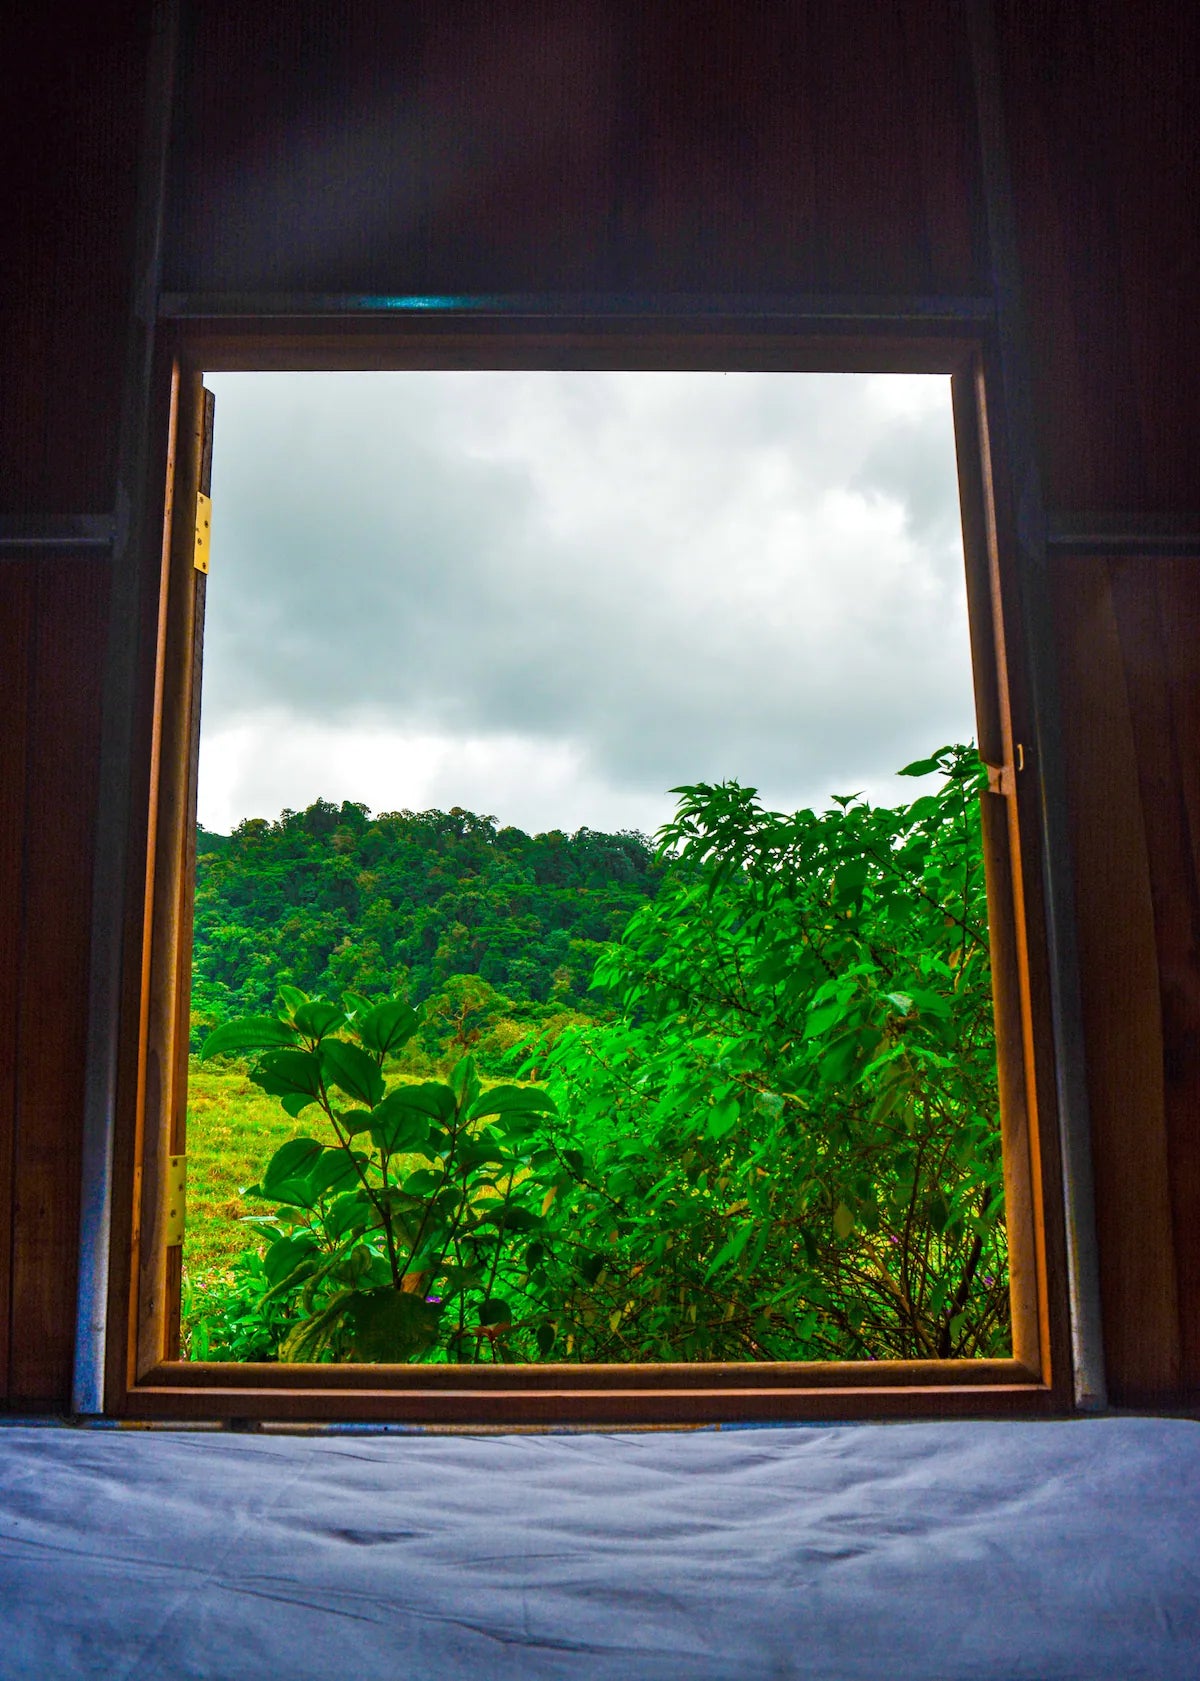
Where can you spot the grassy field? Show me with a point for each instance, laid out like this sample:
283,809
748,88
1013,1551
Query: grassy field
233,1130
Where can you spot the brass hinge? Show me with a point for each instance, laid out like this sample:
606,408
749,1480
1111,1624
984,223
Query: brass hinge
203,528
176,1199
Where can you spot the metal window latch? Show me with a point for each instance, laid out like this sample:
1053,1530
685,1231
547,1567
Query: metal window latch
1002,778
176,1200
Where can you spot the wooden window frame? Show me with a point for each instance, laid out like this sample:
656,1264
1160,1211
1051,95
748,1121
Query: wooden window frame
144,1377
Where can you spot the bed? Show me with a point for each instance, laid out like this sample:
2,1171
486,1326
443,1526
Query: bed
954,1550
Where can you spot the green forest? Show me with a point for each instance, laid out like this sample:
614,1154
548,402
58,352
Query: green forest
332,899
727,1096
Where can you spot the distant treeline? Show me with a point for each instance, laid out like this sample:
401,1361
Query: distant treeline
332,899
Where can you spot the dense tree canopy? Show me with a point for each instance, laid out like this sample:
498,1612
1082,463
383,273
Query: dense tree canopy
332,899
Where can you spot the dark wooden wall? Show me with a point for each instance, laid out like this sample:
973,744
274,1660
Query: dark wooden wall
571,146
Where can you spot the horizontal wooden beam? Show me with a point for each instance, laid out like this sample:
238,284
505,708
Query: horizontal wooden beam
643,1376
615,1407
1123,537
808,312
21,539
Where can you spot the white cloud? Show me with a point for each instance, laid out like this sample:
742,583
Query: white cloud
552,596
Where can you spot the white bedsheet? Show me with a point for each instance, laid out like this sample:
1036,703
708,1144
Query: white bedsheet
962,1550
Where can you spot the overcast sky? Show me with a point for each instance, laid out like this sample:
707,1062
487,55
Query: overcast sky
553,596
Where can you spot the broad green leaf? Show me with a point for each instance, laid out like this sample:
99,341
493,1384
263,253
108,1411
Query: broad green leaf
391,1325
843,1221
825,1016
383,1029
464,1081
495,1312
723,1118
508,1100
350,1068
353,1210
284,1256
396,1126
430,1098
422,1182
335,1171
318,1018
292,1161
286,1178
930,1003
248,1034
730,1251
292,1076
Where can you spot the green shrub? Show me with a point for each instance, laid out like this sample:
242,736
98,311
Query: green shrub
779,1142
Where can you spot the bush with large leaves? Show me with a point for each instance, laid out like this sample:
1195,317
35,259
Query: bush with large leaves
398,1220
786,1145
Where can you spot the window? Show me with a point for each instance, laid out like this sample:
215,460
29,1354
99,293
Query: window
606,1390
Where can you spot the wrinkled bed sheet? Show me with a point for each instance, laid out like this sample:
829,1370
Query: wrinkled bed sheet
934,1551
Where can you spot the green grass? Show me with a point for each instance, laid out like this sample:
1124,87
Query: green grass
233,1129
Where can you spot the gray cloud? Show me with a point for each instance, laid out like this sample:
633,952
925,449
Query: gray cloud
659,578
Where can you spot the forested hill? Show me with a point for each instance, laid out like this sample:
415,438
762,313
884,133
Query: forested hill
332,899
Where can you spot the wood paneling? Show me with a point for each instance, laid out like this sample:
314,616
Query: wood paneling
579,146
1156,607
1129,632
18,584
69,125
1105,150
571,145
65,639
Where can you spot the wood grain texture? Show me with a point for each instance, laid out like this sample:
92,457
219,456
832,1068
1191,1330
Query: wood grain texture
575,145
568,1401
1122,1002
69,127
67,656
1156,607
1105,150
168,947
18,586
630,1375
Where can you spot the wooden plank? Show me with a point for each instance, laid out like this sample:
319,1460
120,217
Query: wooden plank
1179,608
670,1377
68,135
64,729
1121,998
1101,117
1020,1209
1021,866
165,976
569,144
17,599
1157,610
616,1407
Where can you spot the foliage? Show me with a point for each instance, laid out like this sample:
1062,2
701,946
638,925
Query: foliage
394,1240
232,1128
780,1141
331,898
787,1143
